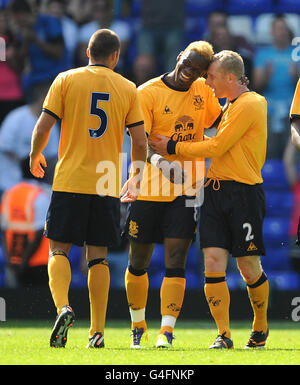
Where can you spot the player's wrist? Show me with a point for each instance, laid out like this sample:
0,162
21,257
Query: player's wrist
171,147
155,160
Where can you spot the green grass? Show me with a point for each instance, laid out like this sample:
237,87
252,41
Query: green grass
27,343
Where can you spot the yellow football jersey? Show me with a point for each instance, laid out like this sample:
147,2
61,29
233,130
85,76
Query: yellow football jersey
295,106
238,150
182,116
94,104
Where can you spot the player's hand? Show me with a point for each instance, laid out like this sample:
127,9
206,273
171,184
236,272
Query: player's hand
130,190
36,162
160,144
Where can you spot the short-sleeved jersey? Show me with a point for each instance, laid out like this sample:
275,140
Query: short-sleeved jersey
94,104
238,150
295,106
182,116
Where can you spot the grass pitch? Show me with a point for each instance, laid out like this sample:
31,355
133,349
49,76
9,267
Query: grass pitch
27,343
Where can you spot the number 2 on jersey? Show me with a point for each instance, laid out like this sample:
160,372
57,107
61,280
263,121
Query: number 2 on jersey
95,110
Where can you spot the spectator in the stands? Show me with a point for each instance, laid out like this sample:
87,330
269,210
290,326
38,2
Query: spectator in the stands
23,211
15,140
57,8
79,11
275,76
159,39
11,94
41,48
220,36
103,17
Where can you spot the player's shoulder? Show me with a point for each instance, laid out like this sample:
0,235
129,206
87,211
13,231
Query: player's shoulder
254,98
151,84
70,73
252,103
123,80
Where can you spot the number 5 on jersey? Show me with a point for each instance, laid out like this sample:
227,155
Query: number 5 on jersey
95,110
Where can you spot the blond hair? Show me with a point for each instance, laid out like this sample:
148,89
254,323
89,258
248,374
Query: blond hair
202,47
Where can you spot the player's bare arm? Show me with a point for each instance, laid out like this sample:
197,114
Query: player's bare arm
295,133
39,141
130,190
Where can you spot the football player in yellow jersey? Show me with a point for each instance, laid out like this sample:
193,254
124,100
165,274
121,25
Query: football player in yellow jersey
94,104
295,129
178,104
231,218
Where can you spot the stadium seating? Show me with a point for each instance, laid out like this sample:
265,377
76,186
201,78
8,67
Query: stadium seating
244,7
155,279
157,268
195,27
135,8
283,6
284,280
235,281
276,230
78,278
279,203
157,263
274,175
202,7
276,259
193,280
241,25
278,280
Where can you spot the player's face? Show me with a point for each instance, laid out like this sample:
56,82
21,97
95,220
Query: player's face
188,69
216,79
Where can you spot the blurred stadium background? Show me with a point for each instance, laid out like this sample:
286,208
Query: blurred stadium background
251,22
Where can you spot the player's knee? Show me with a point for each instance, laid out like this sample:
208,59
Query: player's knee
249,267
140,256
214,262
176,259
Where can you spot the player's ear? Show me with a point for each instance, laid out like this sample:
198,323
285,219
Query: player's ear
88,52
179,56
115,58
231,78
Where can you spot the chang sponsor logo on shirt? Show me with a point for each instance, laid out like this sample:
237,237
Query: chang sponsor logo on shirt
184,129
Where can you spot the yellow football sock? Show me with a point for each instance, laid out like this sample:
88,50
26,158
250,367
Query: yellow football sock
218,299
59,272
171,296
98,285
137,295
258,292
